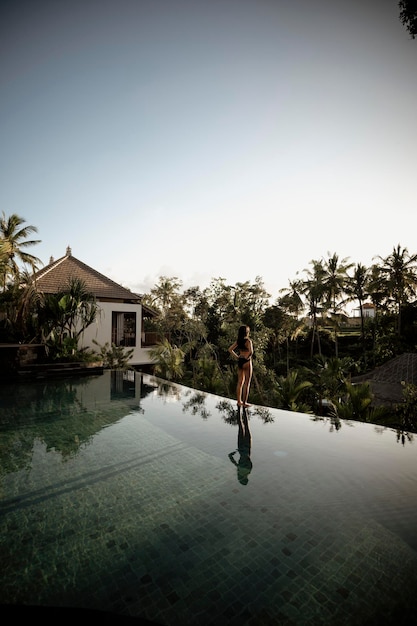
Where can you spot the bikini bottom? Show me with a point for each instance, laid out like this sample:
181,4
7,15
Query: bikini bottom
241,362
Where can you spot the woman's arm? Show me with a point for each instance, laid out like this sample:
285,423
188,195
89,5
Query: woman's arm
232,349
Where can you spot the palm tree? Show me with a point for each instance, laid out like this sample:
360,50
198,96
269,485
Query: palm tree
169,360
292,301
13,239
335,279
358,289
165,292
399,270
166,298
314,290
335,286
290,388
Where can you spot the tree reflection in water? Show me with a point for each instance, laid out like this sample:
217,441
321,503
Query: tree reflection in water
63,415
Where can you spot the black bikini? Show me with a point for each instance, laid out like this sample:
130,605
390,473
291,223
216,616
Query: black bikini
241,361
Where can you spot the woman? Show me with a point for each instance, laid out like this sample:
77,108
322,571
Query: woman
244,353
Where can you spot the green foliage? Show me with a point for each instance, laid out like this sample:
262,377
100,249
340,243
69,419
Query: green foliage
168,360
13,244
407,410
356,404
114,357
304,350
290,390
63,317
328,377
408,15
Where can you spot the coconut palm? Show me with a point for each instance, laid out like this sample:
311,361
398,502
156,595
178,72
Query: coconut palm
358,289
13,240
335,280
336,272
314,290
399,270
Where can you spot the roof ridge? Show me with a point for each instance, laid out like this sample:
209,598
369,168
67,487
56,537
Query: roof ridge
103,276
52,278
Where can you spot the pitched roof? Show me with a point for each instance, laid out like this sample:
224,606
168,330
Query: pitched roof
386,380
55,276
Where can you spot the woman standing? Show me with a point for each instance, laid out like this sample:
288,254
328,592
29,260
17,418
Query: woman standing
244,353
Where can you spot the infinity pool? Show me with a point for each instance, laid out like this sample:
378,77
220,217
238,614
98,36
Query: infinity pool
133,496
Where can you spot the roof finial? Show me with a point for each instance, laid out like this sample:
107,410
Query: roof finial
68,252
51,260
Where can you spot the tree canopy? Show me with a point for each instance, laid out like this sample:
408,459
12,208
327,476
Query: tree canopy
408,15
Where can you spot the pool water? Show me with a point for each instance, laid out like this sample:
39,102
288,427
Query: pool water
130,495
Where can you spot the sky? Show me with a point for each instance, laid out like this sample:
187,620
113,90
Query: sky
206,139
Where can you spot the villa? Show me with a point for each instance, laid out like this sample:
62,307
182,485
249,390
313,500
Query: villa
121,314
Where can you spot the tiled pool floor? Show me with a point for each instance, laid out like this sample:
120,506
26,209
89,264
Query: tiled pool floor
157,528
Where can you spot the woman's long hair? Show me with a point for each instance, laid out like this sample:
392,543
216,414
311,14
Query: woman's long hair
241,337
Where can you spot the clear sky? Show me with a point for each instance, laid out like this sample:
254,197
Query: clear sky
209,138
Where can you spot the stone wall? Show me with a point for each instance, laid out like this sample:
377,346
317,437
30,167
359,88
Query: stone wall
15,355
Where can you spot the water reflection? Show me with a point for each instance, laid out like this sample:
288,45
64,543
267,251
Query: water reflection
122,384
335,423
64,415
196,404
166,390
244,443
404,436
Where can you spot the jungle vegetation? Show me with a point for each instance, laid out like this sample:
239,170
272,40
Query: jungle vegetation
306,348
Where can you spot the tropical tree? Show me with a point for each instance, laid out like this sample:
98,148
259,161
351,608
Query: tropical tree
19,303
334,282
408,15
292,300
290,390
196,303
250,302
64,316
328,377
165,292
168,359
314,290
222,309
13,244
399,273
358,289
167,299
407,410
357,404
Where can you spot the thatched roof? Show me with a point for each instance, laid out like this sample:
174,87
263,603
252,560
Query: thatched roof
385,380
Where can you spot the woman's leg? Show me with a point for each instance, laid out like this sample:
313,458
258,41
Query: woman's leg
240,382
246,385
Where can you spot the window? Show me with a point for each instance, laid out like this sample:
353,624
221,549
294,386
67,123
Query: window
123,329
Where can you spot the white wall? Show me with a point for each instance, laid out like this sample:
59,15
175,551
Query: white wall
100,330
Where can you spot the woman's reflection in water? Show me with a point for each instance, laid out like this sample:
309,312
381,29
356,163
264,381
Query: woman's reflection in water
244,440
